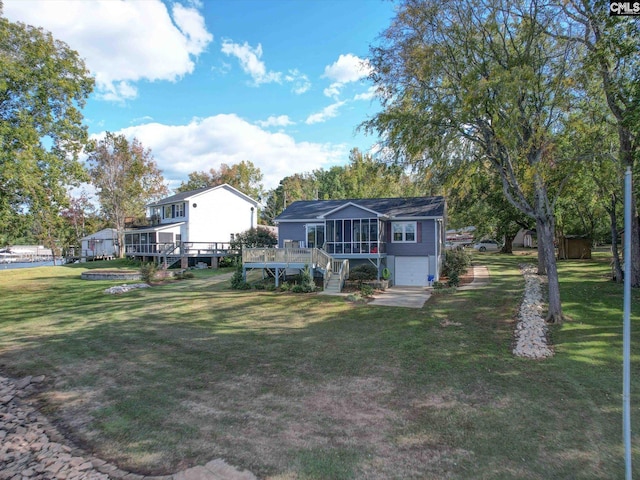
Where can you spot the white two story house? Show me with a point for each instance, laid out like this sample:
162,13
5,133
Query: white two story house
197,226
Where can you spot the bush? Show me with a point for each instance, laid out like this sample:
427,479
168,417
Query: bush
148,272
367,290
454,280
183,275
306,284
363,273
456,262
237,282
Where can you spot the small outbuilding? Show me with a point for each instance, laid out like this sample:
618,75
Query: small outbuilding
102,245
574,247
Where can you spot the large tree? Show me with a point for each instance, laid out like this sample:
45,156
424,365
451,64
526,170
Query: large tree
484,73
612,46
43,85
126,178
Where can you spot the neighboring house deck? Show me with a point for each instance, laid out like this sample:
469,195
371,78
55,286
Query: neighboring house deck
404,235
192,227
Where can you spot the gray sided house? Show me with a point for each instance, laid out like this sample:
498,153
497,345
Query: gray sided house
404,235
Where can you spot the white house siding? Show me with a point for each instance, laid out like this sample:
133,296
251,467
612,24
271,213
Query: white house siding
218,214
99,244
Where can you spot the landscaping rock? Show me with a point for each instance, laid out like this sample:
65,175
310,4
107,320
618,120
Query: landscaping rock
531,329
31,448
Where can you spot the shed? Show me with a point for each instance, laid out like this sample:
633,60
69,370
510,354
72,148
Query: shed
574,247
101,245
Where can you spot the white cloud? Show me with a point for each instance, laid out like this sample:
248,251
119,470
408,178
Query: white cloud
328,112
273,121
368,95
348,68
250,62
208,142
301,83
121,42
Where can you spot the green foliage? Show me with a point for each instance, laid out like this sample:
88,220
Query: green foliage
366,290
255,238
44,84
364,272
244,176
126,177
454,279
237,280
456,262
306,285
363,177
386,274
186,275
148,271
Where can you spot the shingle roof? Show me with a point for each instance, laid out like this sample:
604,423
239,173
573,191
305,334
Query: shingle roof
178,197
392,207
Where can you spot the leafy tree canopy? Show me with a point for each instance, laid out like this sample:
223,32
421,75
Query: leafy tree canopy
126,177
43,86
244,176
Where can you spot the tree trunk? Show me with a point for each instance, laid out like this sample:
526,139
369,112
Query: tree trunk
121,246
508,244
542,267
546,233
617,267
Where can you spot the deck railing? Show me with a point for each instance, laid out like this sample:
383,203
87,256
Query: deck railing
309,256
187,248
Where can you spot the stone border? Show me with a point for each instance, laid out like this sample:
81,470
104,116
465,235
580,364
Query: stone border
32,448
531,329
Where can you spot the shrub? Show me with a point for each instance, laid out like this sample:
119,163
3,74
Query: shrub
306,284
362,273
386,274
148,272
454,280
237,281
366,290
455,263
183,275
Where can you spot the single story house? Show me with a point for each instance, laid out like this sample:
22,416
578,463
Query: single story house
404,235
101,245
197,225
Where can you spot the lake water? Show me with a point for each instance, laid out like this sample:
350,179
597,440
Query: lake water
12,266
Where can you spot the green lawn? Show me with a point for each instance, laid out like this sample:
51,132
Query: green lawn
314,387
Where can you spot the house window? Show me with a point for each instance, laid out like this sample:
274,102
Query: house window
315,235
403,232
167,212
180,210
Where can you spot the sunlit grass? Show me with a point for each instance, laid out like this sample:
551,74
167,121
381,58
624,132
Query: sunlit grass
307,386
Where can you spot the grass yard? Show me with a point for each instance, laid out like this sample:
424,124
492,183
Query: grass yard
313,387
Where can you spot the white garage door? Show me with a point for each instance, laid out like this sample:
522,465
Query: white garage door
412,271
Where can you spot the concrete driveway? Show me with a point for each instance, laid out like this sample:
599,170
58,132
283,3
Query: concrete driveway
409,297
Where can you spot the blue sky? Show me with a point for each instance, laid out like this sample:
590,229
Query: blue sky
282,83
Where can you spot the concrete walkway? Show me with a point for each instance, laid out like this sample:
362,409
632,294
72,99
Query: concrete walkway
409,297
415,297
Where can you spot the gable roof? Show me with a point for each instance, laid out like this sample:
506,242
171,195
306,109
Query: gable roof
418,207
182,196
